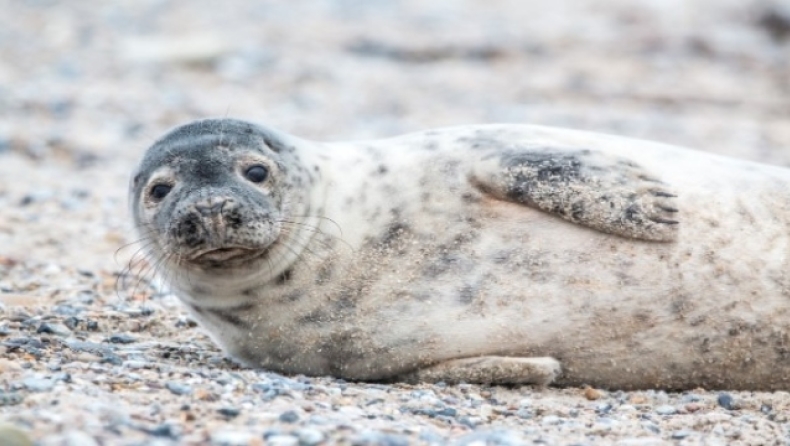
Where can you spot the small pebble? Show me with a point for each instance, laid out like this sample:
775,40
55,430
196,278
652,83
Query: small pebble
592,394
309,437
776,22
53,328
5,143
524,414
486,411
79,438
38,384
641,442
10,398
111,359
282,440
666,410
90,347
603,408
679,435
432,437
136,365
229,412
271,432
72,322
35,197
122,339
491,437
447,412
468,422
690,398
650,426
231,438
163,430
379,439
550,420
726,401
178,389
289,417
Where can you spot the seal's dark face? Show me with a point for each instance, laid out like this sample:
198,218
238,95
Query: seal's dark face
212,195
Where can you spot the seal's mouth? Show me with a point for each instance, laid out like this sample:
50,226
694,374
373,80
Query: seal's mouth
212,257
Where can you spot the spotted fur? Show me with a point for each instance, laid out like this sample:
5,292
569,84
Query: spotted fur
482,253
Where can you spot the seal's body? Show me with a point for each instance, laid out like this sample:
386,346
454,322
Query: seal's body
480,254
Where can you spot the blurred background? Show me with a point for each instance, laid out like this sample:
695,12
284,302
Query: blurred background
86,86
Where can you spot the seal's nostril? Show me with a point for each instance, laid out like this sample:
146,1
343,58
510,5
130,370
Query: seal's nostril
190,231
189,227
234,219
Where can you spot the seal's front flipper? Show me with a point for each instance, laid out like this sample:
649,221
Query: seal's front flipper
590,188
490,370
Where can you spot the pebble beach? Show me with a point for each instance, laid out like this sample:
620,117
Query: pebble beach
93,352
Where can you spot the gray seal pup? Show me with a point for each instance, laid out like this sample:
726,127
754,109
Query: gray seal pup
486,254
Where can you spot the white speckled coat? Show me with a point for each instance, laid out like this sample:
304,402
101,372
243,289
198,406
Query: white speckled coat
633,264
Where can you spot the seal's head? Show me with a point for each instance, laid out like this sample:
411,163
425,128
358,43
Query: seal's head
211,197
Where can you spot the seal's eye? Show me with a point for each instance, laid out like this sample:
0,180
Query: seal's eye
256,173
160,191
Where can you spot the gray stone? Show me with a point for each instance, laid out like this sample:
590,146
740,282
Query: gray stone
726,401
38,384
309,437
289,417
603,408
122,338
10,398
231,438
650,426
550,420
640,442
666,410
432,437
78,438
282,440
229,412
53,328
679,435
178,389
136,364
524,414
90,347
373,438
492,438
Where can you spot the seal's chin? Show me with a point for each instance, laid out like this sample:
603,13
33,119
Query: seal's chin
228,256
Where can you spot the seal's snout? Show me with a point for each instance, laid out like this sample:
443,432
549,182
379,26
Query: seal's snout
207,222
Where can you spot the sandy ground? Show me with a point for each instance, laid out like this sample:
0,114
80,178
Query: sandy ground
85,87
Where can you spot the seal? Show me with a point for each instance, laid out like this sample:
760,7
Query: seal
490,254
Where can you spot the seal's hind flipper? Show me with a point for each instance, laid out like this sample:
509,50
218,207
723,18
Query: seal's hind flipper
490,370
590,188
